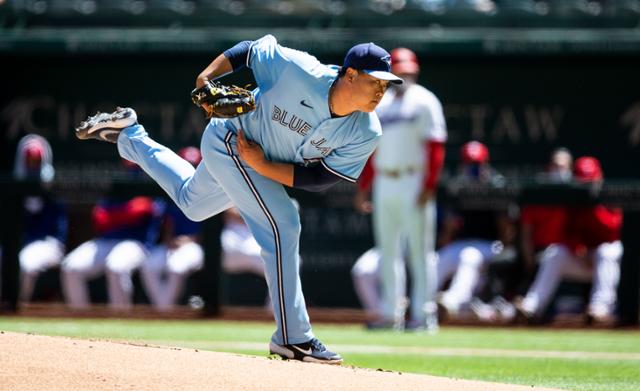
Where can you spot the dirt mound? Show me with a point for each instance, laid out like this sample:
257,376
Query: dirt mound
34,362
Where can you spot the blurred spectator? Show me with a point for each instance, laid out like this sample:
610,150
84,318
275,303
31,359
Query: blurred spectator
471,237
126,229
409,157
366,282
544,225
559,168
541,225
240,251
165,271
591,251
475,168
34,160
45,219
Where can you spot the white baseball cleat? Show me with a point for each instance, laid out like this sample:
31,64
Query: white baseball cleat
107,126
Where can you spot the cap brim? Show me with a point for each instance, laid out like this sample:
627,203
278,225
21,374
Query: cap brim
382,75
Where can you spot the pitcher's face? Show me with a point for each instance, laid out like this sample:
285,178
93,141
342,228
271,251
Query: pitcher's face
367,91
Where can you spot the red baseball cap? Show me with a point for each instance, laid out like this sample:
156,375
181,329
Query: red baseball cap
33,155
404,61
587,169
191,154
474,152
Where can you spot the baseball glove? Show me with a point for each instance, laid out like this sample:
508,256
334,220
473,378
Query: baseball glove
223,101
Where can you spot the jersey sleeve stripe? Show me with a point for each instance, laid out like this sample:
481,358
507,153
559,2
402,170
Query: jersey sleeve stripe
334,172
250,52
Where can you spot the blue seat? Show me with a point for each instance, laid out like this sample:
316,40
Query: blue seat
57,8
574,8
122,7
231,7
624,7
169,7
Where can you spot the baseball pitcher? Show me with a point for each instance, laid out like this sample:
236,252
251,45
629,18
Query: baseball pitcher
313,125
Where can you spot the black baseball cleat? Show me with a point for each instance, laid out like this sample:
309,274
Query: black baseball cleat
312,351
107,126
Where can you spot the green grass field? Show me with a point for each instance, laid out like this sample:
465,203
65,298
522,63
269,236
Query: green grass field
569,359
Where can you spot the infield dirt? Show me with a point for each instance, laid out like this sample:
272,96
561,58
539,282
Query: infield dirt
34,362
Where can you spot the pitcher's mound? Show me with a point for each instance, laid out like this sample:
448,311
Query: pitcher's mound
34,362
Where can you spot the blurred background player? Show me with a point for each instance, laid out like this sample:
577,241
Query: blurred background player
409,157
170,263
240,251
126,229
590,251
542,225
367,280
45,219
470,237
559,169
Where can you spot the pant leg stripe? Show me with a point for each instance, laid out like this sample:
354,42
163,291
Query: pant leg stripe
276,233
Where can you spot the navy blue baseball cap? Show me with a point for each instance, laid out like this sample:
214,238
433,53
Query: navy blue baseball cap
372,59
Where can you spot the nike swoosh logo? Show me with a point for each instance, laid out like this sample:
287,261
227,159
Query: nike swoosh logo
105,134
307,351
305,104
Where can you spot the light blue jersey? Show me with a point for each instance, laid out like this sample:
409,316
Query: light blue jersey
292,121
292,124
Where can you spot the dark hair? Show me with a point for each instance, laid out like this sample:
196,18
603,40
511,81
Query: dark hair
343,71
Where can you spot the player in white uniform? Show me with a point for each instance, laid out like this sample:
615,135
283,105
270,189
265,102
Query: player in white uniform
406,166
169,264
471,236
590,251
126,228
45,219
240,251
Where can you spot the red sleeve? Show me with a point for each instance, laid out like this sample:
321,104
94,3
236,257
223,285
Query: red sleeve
366,178
527,214
607,223
572,235
435,152
592,226
127,214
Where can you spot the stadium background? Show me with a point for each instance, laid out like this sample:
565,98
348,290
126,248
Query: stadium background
521,76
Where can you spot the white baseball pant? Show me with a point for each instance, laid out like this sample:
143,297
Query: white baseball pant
398,217
116,258
240,251
165,271
601,266
464,260
366,275
36,257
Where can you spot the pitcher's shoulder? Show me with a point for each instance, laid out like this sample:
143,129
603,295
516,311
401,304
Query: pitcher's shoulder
368,125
